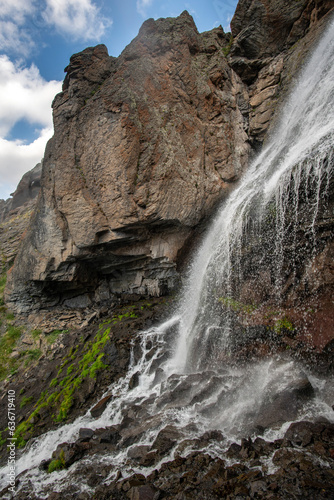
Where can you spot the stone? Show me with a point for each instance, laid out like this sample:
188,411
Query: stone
99,408
70,452
109,435
85,434
283,406
27,191
134,380
138,452
145,492
166,440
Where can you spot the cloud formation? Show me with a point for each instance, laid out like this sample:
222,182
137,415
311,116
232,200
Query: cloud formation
142,6
14,37
80,19
24,95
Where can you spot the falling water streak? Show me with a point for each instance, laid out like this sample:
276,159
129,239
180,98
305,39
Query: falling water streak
307,120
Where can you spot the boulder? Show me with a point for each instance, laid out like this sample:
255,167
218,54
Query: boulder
99,408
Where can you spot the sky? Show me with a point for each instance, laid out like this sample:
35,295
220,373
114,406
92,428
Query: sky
37,38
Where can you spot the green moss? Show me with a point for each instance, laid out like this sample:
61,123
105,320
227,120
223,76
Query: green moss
120,317
51,337
61,397
283,324
51,398
237,306
34,354
57,464
8,342
89,365
20,433
70,369
36,334
227,49
25,401
14,332
96,366
2,440
54,382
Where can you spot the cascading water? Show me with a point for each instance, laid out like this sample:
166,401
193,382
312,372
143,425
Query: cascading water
187,378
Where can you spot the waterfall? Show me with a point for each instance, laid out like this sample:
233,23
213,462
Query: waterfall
194,386
300,148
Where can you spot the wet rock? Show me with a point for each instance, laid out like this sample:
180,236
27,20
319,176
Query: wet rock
131,482
85,434
134,380
145,492
99,408
138,452
166,440
317,436
234,451
109,435
283,406
210,436
70,452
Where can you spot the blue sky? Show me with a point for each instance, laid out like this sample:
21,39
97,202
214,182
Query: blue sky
37,38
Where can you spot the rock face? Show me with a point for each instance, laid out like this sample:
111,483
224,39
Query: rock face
26,191
262,29
147,145
15,214
271,41
144,147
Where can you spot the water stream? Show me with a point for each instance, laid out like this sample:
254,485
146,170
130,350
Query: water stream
187,377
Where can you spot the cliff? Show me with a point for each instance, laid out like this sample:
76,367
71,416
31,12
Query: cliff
145,147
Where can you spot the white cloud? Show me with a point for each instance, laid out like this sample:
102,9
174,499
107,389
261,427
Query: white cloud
22,20
14,37
24,95
16,10
142,6
17,158
78,18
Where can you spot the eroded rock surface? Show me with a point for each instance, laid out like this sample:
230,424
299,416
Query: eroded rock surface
144,147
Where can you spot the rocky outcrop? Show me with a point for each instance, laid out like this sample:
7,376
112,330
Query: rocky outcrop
147,145
271,41
262,29
144,147
26,191
15,215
